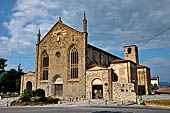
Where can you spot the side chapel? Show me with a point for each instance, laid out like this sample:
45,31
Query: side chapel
68,67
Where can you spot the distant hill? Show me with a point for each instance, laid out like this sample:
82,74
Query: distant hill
164,84
2,74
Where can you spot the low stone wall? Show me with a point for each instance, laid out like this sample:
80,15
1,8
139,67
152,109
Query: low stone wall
123,92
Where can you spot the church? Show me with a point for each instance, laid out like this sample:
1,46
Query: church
68,67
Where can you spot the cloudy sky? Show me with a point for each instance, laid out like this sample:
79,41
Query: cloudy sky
112,24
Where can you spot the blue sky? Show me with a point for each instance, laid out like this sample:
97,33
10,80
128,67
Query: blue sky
112,24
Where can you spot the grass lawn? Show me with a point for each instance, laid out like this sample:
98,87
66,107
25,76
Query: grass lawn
158,103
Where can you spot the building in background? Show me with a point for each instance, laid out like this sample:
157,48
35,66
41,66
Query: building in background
154,84
155,81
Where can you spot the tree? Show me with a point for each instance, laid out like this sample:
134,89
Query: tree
18,81
11,80
8,81
20,70
2,65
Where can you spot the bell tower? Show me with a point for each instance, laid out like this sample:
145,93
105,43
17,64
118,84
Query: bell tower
131,53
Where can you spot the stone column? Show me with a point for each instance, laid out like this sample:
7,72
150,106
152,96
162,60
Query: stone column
110,72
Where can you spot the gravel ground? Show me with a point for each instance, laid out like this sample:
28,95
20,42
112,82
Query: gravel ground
156,97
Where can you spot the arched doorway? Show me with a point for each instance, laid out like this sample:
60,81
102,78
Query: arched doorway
29,85
97,89
58,91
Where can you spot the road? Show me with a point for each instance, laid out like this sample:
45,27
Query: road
82,109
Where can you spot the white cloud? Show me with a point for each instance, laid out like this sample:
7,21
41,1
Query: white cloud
14,66
118,22
3,39
11,66
158,62
3,47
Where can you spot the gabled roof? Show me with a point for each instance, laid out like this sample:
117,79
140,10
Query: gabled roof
89,45
29,73
122,61
142,66
154,78
62,25
163,90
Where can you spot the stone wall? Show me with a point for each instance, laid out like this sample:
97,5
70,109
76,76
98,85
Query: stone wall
101,73
131,53
30,76
60,39
143,74
148,81
155,81
122,71
134,78
123,92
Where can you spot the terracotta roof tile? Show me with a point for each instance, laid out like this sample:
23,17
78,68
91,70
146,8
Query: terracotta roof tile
121,61
142,66
96,65
163,90
154,78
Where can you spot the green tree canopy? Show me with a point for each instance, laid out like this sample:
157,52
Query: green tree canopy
2,65
10,81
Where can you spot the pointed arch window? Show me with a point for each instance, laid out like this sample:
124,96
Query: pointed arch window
45,65
74,63
45,60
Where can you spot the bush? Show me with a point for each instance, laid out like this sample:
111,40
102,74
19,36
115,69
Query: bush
37,96
35,99
40,93
32,96
27,95
51,99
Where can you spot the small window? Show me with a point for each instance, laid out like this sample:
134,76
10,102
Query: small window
129,50
126,90
122,90
58,54
45,75
123,85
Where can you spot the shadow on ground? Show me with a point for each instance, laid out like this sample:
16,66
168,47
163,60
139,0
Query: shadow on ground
110,112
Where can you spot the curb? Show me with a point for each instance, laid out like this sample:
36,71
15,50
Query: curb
157,106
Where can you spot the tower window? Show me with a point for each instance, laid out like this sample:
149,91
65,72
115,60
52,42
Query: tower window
74,63
129,50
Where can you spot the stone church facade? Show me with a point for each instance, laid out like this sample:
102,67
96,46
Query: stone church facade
68,67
